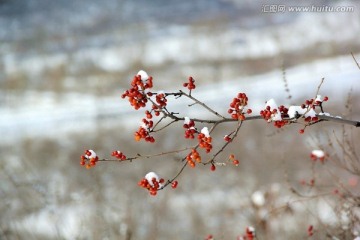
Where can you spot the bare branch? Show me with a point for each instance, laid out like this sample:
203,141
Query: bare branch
357,63
225,145
339,120
138,156
202,104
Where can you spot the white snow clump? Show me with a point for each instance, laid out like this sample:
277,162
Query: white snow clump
143,74
272,104
186,120
293,109
318,153
205,131
258,198
149,177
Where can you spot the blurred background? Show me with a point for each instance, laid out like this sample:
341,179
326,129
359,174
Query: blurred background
64,65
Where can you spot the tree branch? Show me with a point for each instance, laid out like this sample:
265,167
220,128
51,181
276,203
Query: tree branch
339,120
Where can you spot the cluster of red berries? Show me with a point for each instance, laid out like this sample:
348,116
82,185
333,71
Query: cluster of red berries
152,183
237,107
311,119
310,230
161,100
148,114
89,159
189,125
193,157
136,93
268,114
227,138
249,234
156,110
190,84
233,160
119,155
152,186
143,133
174,184
209,237
311,183
314,102
205,142
316,157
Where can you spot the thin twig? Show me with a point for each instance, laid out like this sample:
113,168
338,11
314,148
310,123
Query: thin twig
225,145
176,176
157,123
165,126
138,156
357,63
202,104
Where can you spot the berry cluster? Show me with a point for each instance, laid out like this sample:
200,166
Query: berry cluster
276,115
143,133
314,102
310,230
209,237
161,99
311,183
119,155
136,94
152,183
190,84
174,184
89,159
233,160
148,114
156,110
205,140
237,107
227,138
317,155
189,125
249,234
193,157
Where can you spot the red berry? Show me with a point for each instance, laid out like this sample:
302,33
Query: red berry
212,168
326,98
249,111
174,184
301,131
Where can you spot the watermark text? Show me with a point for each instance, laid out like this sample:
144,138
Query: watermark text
278,8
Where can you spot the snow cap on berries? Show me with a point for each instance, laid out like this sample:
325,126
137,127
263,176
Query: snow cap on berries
318,153
149,177
299,110
272,104
186,120
205,131
143,74
90,154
